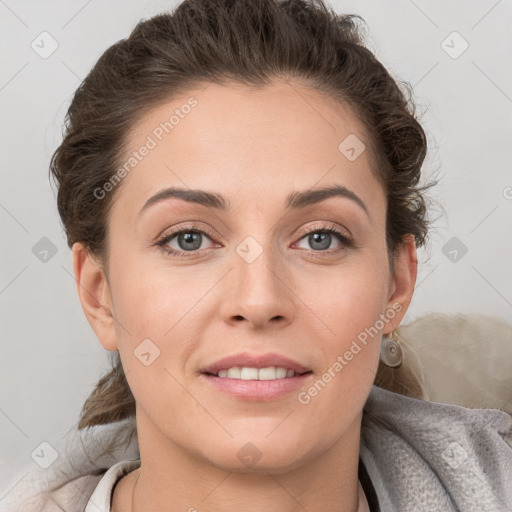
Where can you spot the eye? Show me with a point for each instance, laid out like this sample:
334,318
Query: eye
188,240
320,238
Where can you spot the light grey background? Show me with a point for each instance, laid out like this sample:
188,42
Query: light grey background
50,359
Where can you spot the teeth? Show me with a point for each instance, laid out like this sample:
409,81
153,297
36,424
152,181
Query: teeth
246,373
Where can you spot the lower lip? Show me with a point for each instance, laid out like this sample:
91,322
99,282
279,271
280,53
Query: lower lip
257,390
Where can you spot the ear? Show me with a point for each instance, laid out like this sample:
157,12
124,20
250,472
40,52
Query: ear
403,280
94,294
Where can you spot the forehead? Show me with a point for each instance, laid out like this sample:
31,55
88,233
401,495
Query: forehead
235,112
278,137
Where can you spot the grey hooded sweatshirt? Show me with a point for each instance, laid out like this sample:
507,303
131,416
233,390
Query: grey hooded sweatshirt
420,456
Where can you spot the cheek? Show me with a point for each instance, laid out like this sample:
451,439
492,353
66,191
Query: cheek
350,325
351,313
352,299
149,300
155,314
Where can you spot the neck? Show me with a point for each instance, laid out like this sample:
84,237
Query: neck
171,479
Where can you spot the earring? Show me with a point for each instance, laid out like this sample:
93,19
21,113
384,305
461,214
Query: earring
391,353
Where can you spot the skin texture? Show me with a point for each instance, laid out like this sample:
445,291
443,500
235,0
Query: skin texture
254,147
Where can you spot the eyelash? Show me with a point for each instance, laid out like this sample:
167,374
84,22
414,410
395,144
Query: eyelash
347,242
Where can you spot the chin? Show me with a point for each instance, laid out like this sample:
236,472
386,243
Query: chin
257,456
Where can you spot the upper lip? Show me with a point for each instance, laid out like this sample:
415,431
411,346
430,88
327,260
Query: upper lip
254,361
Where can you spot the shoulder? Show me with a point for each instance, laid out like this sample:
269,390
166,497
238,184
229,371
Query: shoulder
68,482
455,456
71,496
78,494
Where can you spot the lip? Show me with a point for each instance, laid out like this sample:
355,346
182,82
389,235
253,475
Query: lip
257,390
254,361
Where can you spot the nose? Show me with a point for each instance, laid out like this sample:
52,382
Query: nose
258,291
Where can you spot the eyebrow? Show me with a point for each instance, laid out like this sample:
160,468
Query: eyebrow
294,200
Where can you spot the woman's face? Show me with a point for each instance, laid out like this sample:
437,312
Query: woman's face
259,278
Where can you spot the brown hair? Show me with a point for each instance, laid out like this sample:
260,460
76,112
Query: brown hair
251,43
